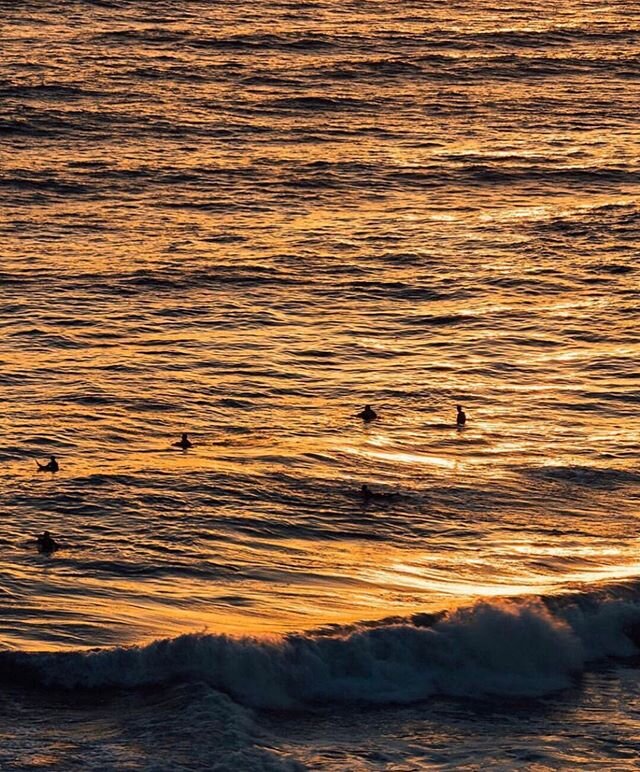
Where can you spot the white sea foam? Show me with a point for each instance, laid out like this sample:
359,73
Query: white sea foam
509,648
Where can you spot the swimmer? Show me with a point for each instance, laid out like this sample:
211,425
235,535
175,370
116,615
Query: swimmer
52,466
368,414
367,495
461,418
184,442
46,543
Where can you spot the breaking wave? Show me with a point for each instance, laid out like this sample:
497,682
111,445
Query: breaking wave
511,648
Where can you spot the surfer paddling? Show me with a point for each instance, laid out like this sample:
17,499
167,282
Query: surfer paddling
52,466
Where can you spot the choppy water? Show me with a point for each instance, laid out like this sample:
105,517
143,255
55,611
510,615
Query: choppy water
246,223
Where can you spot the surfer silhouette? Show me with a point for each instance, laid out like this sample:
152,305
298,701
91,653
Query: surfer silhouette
366,493
368,414
461,417
52,466
184,442
46,543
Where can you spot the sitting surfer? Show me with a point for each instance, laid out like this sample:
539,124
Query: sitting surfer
367,495
461,417
184,442
46,543
368,414
52,466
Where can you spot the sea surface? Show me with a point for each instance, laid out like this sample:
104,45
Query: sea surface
245,221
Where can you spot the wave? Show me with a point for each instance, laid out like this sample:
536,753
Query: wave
321,103
124,568
510,648
283,42
556,36
530,173
597,223
590,476
57,91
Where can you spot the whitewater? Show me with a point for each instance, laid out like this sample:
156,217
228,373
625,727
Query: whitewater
246,226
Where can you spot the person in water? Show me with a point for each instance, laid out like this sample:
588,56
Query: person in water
367,495
52,466
46,542
368,414
184,442
461,418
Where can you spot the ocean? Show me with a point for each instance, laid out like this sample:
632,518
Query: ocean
245,222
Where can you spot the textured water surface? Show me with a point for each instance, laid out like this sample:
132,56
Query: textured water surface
248,223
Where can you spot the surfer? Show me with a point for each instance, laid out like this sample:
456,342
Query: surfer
46,543
52,466
368,495
368,414
461,418
184,442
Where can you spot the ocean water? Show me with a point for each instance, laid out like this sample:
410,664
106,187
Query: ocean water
246,221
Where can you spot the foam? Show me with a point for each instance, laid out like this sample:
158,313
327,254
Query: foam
519,648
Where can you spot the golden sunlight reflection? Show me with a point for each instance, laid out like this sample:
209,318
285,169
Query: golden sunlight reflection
411,577
247,226
406,458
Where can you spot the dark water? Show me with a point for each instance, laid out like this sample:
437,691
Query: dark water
245,223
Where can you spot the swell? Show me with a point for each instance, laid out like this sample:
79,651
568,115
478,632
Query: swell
192,190
313,42
511,648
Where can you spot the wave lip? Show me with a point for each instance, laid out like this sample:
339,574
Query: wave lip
517,648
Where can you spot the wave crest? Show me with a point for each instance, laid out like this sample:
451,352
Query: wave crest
511,648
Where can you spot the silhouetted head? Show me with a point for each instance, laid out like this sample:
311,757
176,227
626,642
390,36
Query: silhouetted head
184,436
53,458
368,413
46,542
459,408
